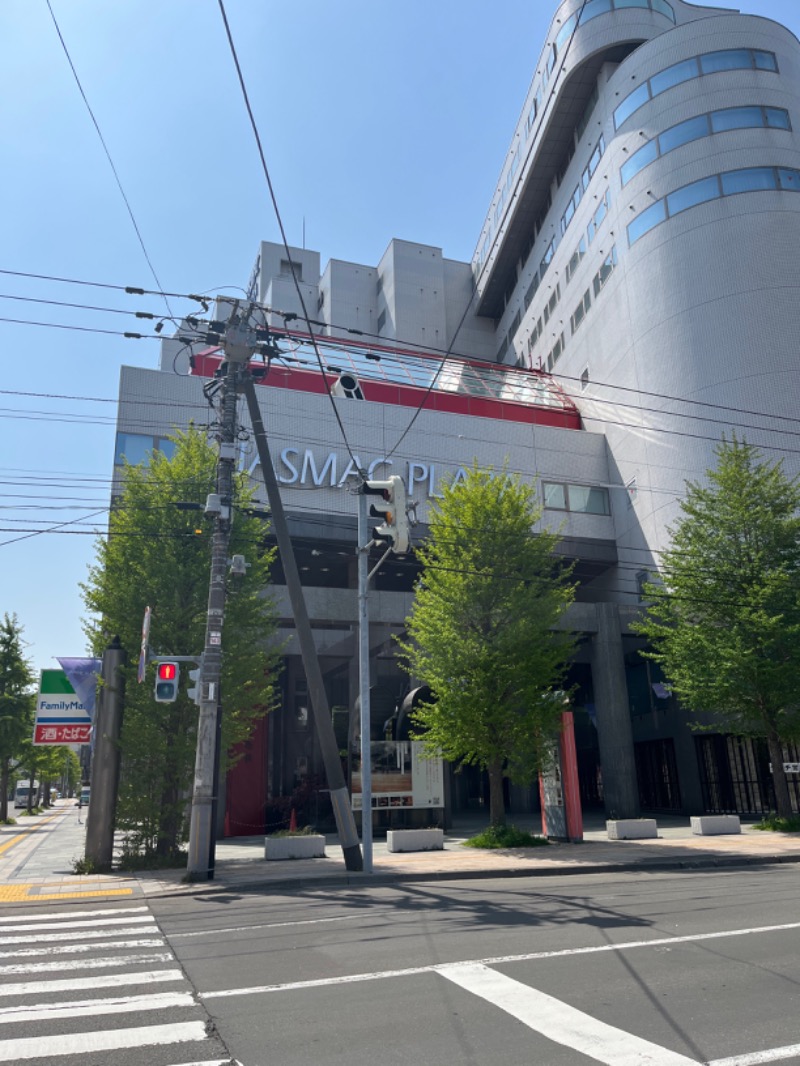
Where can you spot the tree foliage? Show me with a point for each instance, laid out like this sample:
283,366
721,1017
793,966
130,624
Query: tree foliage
482,631
158,554
17,700
724,621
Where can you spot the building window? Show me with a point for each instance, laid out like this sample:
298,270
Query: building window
578,499
576,258
288,268
580,311
555,352
321,300
584,379
729,118
135,448
605,271
729,183
381,320
696,67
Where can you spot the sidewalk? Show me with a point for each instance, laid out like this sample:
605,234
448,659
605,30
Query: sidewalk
40,865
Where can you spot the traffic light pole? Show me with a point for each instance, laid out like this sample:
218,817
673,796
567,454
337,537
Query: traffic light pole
202,831
363,682
340,798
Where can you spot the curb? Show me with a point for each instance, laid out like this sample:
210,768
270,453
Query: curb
343,879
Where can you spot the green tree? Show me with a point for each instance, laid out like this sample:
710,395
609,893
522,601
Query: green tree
724,621
158,554
484,631
16,704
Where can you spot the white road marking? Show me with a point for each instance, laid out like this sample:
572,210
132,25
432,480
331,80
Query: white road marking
90,924
75,949
560,1022
101,963
48,916
75,984
83,934
756,1058
499,959
48,1047
271,925
87,1008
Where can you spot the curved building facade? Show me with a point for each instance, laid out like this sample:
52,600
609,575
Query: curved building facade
642,241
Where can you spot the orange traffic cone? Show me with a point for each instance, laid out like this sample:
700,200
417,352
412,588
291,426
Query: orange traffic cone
292,821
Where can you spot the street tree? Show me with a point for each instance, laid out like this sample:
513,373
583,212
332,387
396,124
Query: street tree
17,700
485,631
724,616
157,554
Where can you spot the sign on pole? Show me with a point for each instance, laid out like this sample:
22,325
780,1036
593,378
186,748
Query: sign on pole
61,716
143,652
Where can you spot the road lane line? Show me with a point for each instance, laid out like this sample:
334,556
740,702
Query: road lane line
84,934
102,963
89,924
497,960
756,1058
75,984
271,925
88,1008
76,949
50,1047
50,916
560,1022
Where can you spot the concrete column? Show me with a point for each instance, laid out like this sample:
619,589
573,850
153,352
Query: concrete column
614,732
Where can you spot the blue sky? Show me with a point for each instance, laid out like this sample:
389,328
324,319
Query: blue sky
378,119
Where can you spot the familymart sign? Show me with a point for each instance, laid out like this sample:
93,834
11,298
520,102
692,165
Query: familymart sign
61,715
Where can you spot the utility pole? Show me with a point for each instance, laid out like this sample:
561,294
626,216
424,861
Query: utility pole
238,344
101,815
340,799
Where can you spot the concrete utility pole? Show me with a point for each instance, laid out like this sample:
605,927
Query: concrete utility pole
238,344
340,799
101,816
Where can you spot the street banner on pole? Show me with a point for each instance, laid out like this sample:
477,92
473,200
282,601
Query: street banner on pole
83,675
61,716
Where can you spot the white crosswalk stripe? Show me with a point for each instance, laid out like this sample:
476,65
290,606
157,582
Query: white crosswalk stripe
76,987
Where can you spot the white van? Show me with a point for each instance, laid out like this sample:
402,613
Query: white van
21,793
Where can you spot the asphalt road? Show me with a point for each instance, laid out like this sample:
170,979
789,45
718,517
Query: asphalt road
650,970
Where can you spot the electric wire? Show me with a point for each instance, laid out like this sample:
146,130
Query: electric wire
463,317
279,219
108,155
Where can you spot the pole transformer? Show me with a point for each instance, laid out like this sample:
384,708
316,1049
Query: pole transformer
340,798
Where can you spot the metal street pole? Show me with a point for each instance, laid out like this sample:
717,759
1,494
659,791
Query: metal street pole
101,815
363,682
202,831
340,799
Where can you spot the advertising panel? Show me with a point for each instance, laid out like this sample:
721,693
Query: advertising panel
401,776
61,716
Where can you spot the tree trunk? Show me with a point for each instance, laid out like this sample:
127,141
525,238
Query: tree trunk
783,802
497,807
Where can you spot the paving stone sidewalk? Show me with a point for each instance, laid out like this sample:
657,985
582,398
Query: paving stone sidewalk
40,865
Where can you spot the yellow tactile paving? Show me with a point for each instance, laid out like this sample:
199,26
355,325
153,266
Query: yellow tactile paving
26,893
30,829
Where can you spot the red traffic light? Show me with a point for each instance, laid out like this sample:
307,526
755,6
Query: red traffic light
167,671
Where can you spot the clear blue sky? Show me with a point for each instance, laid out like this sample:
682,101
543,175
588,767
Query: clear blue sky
378,119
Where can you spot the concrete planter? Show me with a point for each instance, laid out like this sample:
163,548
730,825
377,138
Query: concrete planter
708,825
299,847
415,839
631,828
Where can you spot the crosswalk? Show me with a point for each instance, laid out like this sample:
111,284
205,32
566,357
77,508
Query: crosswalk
78,985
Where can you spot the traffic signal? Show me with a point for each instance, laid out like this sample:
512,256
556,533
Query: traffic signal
392,509
167,677
194,691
